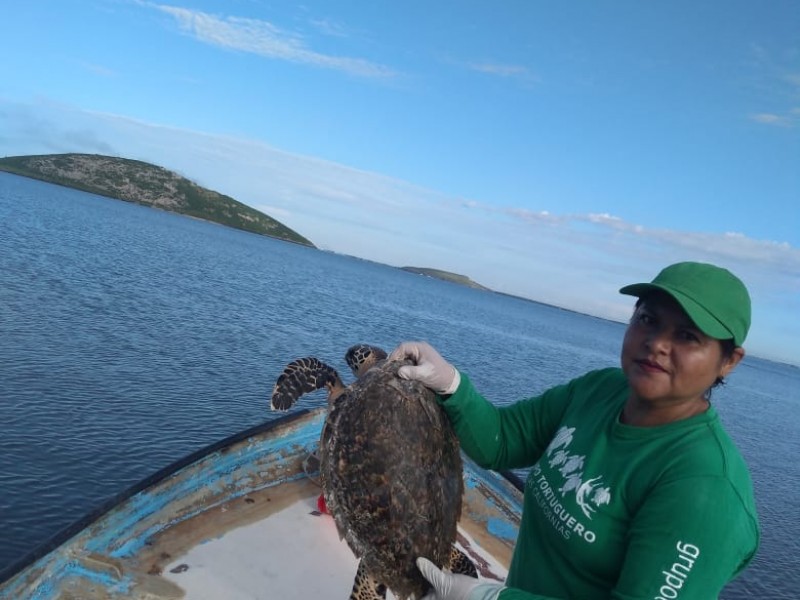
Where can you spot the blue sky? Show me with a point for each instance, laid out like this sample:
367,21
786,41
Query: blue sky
551,150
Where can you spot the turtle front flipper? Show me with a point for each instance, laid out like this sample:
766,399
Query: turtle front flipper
460,563
365,587
362,356
302,376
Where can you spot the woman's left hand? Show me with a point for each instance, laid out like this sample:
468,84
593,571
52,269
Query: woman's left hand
454,586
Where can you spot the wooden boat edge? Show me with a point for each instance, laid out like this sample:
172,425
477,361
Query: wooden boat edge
492,515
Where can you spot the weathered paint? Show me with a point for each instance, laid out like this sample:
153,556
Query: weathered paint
502,528
219,477
500,507
105,558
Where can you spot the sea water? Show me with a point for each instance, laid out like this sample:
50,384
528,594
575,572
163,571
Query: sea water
130,337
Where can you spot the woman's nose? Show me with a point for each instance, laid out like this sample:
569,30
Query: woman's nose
659,339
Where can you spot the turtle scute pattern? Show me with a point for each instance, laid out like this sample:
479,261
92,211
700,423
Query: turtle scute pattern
390,468
392,477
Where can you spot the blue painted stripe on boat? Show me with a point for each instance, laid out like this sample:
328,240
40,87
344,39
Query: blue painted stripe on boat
506,492
501,528
156,492
233,471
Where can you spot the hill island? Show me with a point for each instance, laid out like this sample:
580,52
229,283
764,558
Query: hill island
149,185
446,276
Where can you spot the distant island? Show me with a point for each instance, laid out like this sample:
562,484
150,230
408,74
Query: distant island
149,185
446,276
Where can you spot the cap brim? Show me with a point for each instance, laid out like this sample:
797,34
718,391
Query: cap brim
704,320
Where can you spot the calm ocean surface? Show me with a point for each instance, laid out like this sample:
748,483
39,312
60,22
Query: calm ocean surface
130,337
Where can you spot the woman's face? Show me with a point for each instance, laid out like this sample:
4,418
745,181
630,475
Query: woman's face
667,359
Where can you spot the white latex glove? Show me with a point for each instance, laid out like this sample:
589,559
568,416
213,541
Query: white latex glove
454,586
430,368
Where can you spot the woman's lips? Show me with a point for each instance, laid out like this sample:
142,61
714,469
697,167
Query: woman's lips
650,366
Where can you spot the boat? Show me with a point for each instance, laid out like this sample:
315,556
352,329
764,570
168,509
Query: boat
239,519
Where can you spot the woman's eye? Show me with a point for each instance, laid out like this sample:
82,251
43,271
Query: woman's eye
689,336
646,318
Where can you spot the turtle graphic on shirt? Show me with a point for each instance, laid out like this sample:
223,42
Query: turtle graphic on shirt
591,492
589,495
563,438
572,464
572,482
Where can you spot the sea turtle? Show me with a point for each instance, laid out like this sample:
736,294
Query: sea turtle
390,468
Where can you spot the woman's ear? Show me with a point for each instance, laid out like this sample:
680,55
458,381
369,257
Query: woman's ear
729,363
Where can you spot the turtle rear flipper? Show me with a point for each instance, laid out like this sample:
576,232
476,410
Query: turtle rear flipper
460,563
302,376
365,587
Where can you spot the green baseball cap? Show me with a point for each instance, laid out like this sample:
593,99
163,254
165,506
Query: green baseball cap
714,298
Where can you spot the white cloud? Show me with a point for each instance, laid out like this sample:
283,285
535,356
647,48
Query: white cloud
773,119
778,82
265,39
329,27
500,69
533,216
517,72
98,69
605,219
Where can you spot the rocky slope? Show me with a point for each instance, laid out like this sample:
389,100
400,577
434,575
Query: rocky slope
148,184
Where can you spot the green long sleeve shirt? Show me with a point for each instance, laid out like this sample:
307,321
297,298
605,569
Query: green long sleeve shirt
613,511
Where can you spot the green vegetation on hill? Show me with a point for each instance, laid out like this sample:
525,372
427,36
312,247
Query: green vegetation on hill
147,184
446,276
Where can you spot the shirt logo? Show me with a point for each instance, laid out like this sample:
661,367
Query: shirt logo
589,494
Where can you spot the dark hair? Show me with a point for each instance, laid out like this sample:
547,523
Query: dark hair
727,346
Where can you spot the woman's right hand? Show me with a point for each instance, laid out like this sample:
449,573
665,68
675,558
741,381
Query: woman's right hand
429,367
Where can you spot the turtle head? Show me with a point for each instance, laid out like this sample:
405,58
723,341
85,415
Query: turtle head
362,357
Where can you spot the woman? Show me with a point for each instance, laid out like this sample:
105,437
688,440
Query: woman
635,490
